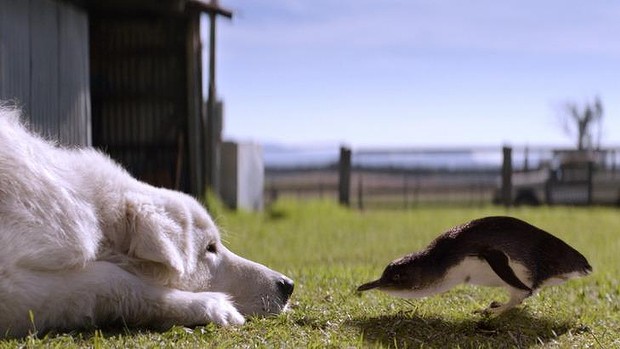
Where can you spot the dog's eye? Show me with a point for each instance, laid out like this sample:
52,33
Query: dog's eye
212,248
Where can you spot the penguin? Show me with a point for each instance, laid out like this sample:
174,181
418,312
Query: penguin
494,251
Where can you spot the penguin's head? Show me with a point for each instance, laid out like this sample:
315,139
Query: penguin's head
402,277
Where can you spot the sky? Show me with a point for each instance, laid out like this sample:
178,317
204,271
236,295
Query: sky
415,72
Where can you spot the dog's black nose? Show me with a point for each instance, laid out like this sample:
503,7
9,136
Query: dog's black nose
286,286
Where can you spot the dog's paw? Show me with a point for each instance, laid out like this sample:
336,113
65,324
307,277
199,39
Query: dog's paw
218,308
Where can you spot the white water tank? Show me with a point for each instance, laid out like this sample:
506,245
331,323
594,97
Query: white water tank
242,175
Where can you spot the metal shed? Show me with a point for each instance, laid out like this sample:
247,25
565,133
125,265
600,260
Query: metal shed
121,75
44,66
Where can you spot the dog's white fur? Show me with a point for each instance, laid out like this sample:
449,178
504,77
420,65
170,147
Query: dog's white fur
82,243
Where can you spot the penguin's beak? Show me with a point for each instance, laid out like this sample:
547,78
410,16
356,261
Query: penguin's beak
370,285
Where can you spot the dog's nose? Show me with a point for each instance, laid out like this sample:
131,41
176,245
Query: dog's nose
285,286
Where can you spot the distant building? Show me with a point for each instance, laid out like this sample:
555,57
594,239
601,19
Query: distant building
122,75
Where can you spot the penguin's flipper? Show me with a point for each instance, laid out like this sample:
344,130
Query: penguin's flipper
499,263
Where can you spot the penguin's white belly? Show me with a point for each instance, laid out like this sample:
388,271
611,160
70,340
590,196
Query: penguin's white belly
476,271
556,280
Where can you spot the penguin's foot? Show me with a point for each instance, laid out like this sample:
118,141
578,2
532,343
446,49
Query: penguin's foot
495,304
496,308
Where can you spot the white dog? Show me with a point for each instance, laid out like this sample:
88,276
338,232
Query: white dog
82,244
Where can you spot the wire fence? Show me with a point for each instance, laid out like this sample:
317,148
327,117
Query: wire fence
407,177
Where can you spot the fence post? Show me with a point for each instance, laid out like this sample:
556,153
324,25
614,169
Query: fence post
590,174
360,193
507,176
405,191
344,176
526,159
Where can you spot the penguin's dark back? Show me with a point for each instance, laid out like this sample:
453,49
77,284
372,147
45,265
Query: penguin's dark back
544,254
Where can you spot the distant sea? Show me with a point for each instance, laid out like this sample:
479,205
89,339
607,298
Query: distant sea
278,156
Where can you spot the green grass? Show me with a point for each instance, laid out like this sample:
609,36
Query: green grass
329,251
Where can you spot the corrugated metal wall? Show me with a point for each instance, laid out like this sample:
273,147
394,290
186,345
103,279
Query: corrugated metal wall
44,66
139,94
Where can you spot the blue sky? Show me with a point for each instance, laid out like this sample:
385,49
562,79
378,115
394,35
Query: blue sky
415,72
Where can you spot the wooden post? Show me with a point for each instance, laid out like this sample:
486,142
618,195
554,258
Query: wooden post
416,191
360,193
195,127
405,191
507,177
212,141
344,176
590,175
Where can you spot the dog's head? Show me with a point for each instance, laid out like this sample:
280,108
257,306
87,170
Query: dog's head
175,242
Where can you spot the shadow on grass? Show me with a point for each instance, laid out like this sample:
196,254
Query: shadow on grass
275,214
87,334
515,329
90,334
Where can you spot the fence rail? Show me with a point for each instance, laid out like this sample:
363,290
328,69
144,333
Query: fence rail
367,178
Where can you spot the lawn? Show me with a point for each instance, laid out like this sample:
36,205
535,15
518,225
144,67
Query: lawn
329,251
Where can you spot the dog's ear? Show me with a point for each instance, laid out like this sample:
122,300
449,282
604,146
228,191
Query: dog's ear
153,235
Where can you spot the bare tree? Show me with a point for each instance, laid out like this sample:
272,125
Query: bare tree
581,122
